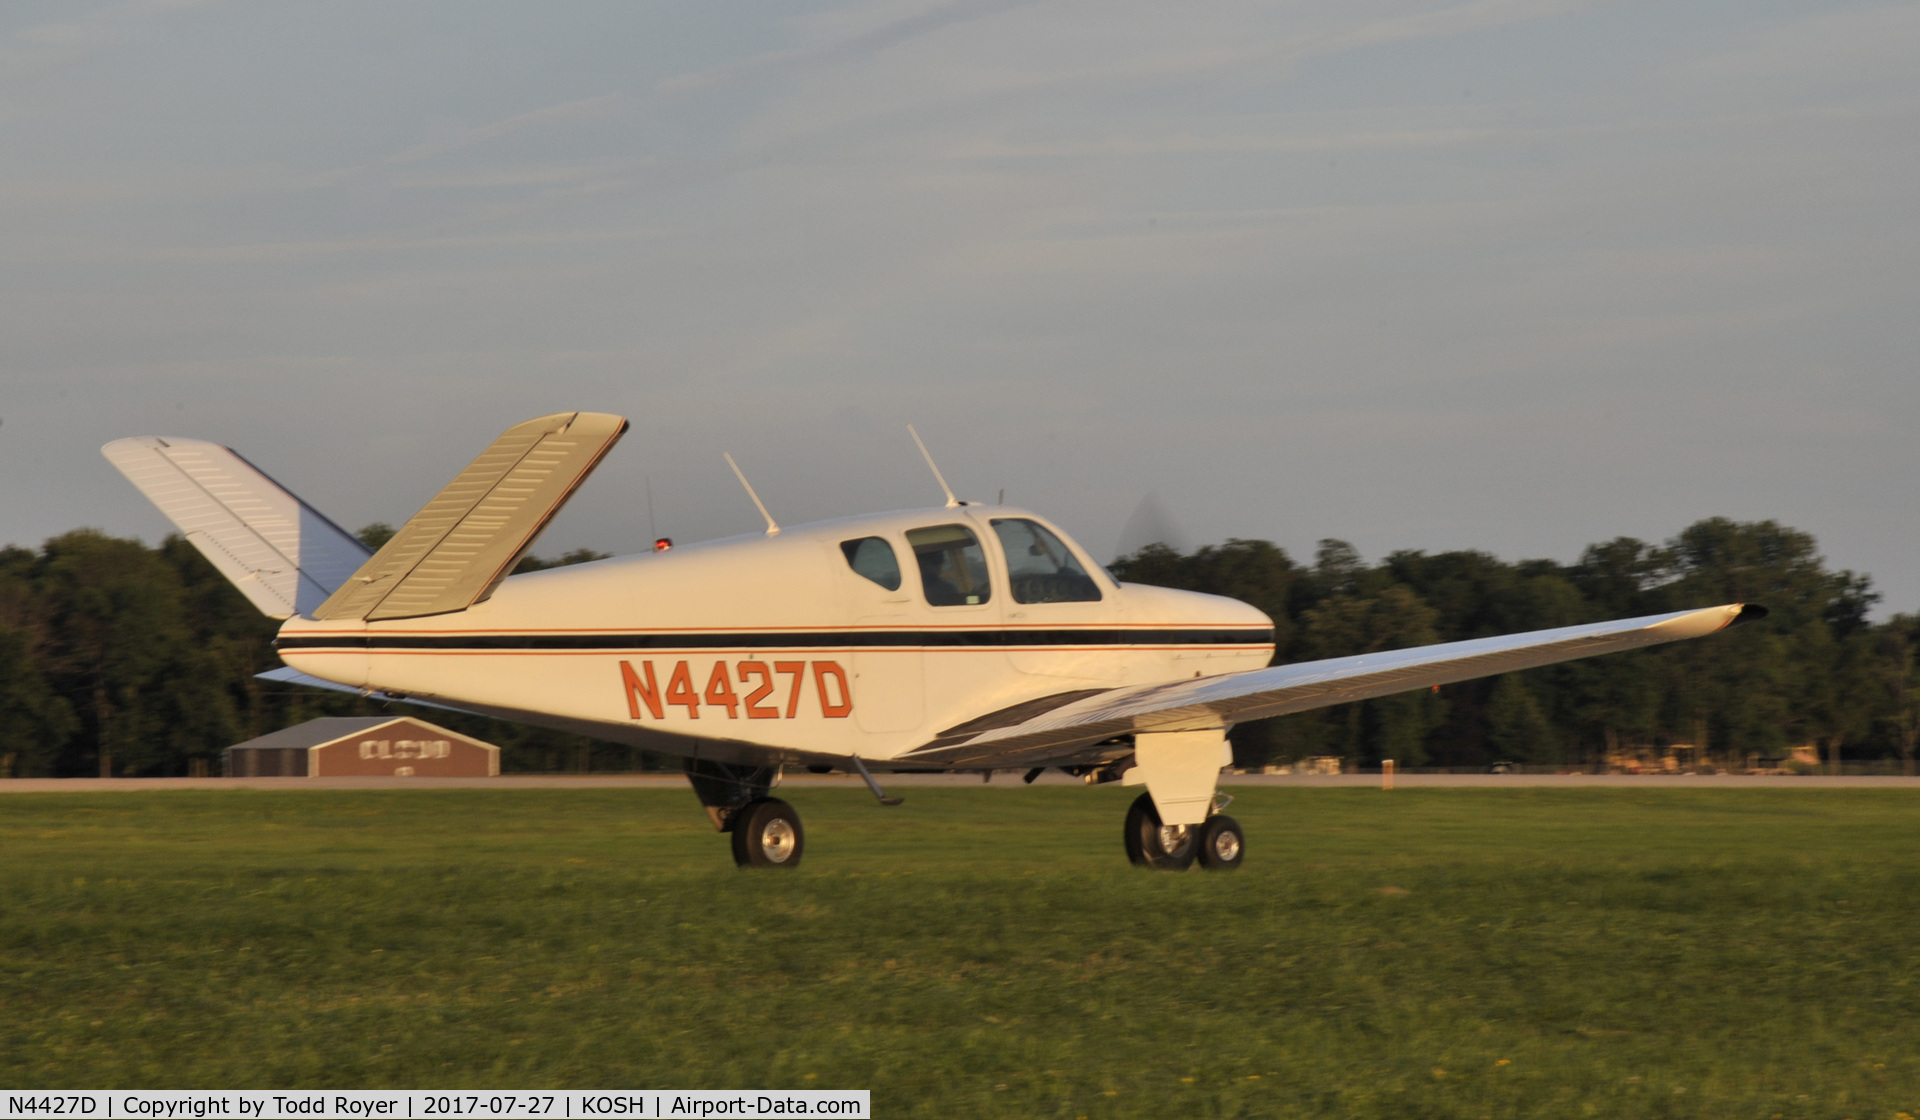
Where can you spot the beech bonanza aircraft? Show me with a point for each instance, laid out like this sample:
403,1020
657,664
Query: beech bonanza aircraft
959,638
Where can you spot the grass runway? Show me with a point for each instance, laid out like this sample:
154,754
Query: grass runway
983,952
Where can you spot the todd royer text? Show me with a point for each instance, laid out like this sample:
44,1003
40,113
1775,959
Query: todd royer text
439,1104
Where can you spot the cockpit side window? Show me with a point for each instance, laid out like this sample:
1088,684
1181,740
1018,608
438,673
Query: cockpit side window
873,558
953,567
1040,569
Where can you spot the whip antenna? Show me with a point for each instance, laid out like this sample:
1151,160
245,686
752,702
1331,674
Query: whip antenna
932,466
773,530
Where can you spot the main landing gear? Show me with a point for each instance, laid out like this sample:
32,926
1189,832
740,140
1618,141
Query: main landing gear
765,830
1217,843
766,833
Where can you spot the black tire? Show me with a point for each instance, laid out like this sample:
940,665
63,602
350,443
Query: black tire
1149,844
767,833
1221,844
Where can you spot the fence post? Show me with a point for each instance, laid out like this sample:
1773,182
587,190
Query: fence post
1386,773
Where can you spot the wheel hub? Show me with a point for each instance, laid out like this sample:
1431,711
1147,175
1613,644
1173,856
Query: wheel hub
1226,845
777,840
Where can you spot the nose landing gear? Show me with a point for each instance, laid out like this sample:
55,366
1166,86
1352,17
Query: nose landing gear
1218,844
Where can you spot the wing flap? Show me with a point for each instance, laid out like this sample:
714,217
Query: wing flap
1214,702
282,554
462,543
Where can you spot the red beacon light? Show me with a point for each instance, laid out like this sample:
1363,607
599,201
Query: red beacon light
663,544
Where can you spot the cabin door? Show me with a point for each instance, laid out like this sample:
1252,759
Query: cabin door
888,681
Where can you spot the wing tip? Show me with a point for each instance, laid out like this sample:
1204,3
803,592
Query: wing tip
1707,620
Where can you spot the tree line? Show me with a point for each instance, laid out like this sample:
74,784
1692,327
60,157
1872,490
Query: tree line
120,658
117,658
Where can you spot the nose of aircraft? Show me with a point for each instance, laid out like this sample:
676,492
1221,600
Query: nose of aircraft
1167,606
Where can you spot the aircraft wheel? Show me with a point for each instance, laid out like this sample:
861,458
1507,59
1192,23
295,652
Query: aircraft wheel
1221,843
766,833
1162,847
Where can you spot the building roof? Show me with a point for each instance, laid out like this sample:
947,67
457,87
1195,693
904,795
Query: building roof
332,729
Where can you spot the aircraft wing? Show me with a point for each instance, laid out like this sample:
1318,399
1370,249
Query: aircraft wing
1056,736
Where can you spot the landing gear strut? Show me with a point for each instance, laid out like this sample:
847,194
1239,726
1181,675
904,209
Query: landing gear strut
1218,843
766,830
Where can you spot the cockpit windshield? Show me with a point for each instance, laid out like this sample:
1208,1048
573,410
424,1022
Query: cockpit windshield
953,567
1040,569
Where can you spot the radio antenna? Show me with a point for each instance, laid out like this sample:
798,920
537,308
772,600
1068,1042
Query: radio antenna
934,467
773,530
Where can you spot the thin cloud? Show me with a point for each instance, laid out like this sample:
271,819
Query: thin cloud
840,51
1480,15
921,108
1177,142
1830,48
571,112
33,52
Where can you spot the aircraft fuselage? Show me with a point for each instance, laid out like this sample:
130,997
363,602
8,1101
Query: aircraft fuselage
794,647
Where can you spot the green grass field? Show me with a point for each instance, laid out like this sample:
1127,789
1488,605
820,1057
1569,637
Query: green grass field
1436,953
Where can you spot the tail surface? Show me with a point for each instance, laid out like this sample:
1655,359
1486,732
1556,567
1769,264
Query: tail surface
283,555
457,549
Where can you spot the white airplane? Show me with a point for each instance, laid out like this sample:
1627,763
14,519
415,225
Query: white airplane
963,637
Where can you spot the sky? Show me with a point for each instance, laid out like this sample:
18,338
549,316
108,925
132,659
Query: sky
1514,275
